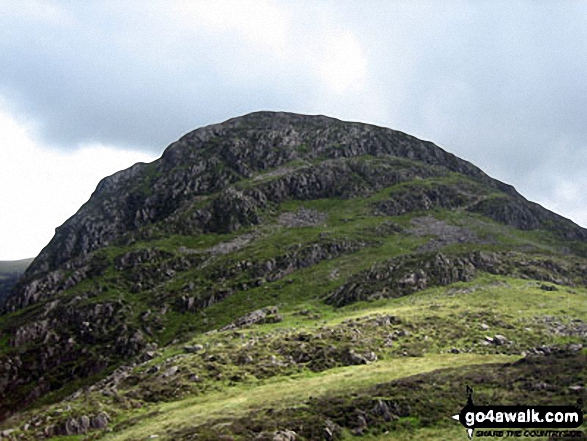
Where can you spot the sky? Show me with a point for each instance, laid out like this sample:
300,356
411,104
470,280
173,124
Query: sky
90,88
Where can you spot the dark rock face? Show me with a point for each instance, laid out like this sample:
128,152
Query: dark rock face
415,198
10,273
209,159
265,315
407,274
302,218
78,426
60,339
528,216
7,283
260,272
403,276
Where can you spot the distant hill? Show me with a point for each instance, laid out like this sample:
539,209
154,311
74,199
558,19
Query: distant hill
10,272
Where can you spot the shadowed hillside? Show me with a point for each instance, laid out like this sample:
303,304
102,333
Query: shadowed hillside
10,272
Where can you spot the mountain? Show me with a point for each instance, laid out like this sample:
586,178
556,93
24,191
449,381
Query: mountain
289,277
10,272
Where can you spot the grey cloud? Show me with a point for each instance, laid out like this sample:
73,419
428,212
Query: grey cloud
135,87
498,83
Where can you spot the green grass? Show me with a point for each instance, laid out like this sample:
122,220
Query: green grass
281,393
451,316
522,298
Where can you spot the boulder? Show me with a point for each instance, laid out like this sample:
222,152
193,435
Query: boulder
500,340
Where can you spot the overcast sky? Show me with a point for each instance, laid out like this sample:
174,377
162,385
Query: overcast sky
88,88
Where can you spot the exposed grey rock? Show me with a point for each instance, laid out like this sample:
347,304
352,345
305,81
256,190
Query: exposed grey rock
401,276
193,349
407,274
171,371
195,378
148,355
331,430
386,320
302,218
413,197
100,421
382,409
244,359
575,347
84,423
75,426
264,315
285,435
541,386
129,346
500,340
232,245
350,357
558,326
445,233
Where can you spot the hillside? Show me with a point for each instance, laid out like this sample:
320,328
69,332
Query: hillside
291,277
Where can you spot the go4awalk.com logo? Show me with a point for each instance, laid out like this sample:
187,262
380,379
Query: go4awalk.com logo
520,421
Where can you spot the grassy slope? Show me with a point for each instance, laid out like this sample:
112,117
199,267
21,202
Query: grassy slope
291,391
514,304
437,319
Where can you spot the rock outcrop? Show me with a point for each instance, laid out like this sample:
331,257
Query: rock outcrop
407,274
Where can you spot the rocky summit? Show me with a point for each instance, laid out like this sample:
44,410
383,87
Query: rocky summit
291,277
